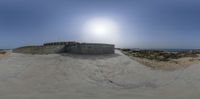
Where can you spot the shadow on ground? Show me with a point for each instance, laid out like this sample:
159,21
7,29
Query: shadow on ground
92,57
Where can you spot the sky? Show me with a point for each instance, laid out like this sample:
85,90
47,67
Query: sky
141,23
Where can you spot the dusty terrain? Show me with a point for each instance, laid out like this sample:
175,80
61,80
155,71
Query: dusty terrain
172,64
69,76
169,64
3,54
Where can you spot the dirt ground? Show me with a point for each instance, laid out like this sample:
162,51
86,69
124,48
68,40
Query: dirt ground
2,54
172,64
68,76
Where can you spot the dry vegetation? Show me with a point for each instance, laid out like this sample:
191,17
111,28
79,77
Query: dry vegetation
3,53
164,60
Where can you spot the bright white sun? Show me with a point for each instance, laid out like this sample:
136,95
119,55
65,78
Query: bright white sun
101,30
101,27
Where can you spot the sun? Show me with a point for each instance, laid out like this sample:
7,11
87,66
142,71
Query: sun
101,30
101,27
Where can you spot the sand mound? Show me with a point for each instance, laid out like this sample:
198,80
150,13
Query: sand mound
91,77
172,64
2,53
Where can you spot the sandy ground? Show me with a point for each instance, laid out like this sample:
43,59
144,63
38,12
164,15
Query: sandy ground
2,54
70,76
172,64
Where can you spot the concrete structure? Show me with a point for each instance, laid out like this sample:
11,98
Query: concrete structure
67,47
60,43
40,49
92,48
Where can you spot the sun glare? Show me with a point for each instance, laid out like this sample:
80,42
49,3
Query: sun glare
101,27
101,30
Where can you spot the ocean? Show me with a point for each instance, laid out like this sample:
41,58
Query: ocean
169,50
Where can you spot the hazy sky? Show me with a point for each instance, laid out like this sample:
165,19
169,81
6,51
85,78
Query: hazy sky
142,23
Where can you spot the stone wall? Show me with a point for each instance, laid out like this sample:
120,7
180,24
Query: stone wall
27,49
67,47
53,49
40,49
92,48
60,43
